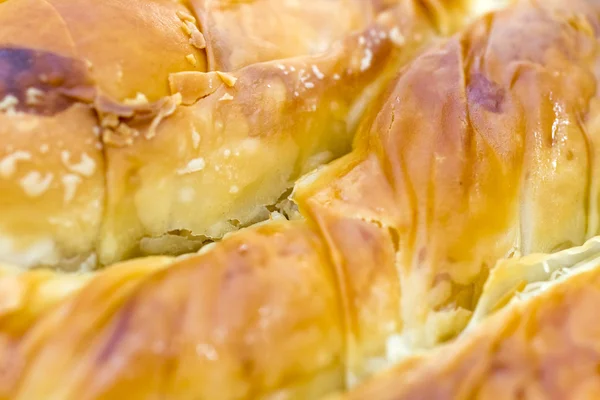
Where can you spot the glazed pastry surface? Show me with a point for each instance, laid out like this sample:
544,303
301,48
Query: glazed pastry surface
443,171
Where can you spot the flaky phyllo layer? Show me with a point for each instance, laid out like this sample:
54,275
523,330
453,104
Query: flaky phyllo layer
439,187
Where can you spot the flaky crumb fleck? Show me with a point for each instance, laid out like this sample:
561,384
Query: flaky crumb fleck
184,16
226,97
196,37
195,165
33,96
110,121
317,72
140,99
197,40
125,130
8,164
8,103
112,138
303,76
396,37
227,78
192,59
35,184
365,63
70,183
165,111
86,165
195,138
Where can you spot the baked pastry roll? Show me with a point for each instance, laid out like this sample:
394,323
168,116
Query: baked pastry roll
56,58
482,149
485,149
237,149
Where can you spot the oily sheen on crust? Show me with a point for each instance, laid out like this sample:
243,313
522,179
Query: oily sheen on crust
143,114
375,271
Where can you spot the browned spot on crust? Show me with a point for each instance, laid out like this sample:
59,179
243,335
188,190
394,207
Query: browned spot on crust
422,255
119,330
43,83
485,93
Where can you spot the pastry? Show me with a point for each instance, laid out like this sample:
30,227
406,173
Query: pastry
135,128
409,263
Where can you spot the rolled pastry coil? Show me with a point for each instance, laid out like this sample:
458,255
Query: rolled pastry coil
382,265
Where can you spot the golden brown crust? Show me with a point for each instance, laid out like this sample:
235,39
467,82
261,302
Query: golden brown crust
53,169
35,24
94,32
348,213
467,193
240,33
237,322
398,238
302,109
156,44
53,66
